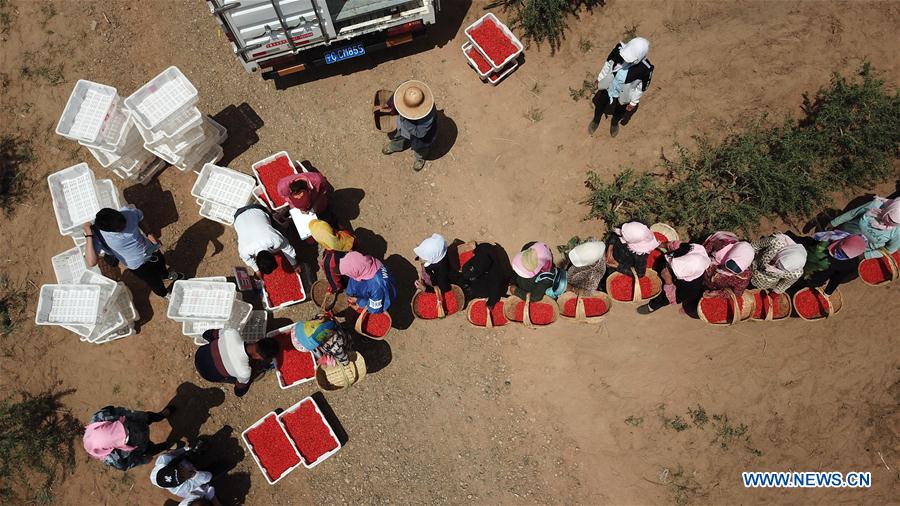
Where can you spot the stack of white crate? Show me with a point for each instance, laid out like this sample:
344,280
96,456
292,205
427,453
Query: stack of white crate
85,302
165,114
77,196
221,191
201,304
249,322
95,117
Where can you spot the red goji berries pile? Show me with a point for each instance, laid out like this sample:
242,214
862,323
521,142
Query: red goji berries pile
483,67
283,284
465,256
478,313
719,309
539,313
810,304
376,325
877,270
593,306
491,39
273,449
270,174
308,430
622,288
294,366
426,305
765,305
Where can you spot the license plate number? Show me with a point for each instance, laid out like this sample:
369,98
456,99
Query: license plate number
344,53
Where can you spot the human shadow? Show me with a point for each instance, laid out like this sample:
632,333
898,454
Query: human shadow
405,275
369,243
447,24
376,353
190,250
242,122
192,406
221,453
447,133
344,203
331,418
157,205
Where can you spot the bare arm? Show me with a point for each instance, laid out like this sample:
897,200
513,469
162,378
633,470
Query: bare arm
90,254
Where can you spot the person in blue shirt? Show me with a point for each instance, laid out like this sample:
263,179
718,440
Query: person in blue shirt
119,235
878,221
370,286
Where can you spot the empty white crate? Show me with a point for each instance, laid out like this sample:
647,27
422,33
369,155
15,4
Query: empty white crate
113,137
223,186
74,195
68,304
69,265
108,194
162,97
218,212
201,300
254,328
87,111
240,311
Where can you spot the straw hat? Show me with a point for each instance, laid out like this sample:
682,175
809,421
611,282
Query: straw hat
413,100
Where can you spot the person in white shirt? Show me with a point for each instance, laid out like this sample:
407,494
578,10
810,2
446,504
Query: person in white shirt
258,241
175,472
622,81
228,359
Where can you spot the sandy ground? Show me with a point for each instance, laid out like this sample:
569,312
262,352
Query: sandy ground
571,414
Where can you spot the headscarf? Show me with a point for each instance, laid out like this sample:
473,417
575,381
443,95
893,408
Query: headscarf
790,258
358,266
533,260
887,215
635,50
849,247
637,237
101,438
309,335
587,253
325,236
741,253
691,265
432,250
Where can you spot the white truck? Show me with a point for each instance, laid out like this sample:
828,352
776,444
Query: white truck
282,37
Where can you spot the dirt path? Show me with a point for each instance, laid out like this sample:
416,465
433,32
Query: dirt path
575,414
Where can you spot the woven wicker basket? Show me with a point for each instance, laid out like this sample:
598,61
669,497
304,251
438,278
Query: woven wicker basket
749,304
512,302
579,314
670,233
637,295
490,323
835,304
334,302
340,376
457,293
358,326
384,122
888,260
784,306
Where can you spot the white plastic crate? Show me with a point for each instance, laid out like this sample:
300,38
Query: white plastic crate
224,186
465,49
324,456
112,138
240,312
107,326
255,327
162,97
108,194
173,129
265,161
74,194
217,212
68,304
496,77
87,111
201,300
180,145
110,291
212,155
253,453
125,331
268,305
506,31
69,265
200,154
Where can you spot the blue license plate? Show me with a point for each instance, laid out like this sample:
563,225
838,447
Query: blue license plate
344,53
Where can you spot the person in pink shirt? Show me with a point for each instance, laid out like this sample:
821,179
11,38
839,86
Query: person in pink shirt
306,191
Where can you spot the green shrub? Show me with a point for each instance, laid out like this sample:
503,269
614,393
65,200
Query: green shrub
36,441
847,140
544,20
15,153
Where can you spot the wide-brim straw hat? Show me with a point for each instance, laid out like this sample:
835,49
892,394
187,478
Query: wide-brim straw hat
413,100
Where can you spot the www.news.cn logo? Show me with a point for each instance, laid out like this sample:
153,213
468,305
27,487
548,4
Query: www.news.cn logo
808,479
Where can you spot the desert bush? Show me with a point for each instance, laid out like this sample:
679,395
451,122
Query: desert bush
15,153
36,445
544,20
848,139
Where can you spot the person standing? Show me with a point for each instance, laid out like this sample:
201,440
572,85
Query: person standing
307,192
622,81
119,234
174,472
258,240
226,358
417,123
120,437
